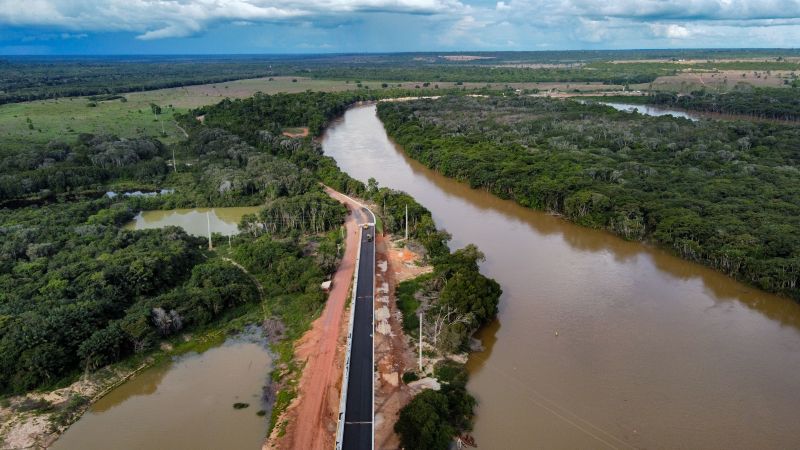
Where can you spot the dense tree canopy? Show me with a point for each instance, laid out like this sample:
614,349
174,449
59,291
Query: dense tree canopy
65,278
718,192
78,292
763,103
26,79
433,418
89,162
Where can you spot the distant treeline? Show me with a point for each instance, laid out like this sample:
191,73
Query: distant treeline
762,103
725,194
28,78
24,80
607,73
486,71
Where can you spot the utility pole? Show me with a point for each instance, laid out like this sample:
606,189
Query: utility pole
208,219
406,222
174,162
421,318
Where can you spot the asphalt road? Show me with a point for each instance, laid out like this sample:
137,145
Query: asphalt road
358,412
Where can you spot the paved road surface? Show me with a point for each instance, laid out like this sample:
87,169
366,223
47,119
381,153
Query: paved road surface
358,412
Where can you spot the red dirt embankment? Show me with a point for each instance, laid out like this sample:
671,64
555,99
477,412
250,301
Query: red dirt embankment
296,132
311,418
392,352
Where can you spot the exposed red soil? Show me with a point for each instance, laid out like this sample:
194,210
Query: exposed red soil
311,419
303,133
392,352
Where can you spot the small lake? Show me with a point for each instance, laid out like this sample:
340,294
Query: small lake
113,194
194,220
649,110
186,403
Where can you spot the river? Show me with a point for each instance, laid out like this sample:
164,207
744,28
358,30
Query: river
600,342
650,110
183,404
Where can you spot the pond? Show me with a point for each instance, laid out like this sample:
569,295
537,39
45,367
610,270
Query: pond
195,221
186,403
649,110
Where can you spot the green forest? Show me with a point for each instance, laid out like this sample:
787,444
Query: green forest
26,79
457,286
761,103
457,275
722,193
78,292
36,78
603,73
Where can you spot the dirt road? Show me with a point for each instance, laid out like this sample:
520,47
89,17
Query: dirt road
311,419
392,352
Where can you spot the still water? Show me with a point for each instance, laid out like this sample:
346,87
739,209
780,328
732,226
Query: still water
183,404
194,221
651,351
649,110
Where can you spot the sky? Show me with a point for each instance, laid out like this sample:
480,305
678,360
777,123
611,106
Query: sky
88,27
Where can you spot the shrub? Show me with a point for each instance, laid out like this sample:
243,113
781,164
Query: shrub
408,377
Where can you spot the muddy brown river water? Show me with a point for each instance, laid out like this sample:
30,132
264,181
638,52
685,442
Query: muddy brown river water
651,351
183,404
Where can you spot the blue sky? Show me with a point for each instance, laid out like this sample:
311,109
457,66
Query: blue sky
310,26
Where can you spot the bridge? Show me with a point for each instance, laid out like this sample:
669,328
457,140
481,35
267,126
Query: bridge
356,428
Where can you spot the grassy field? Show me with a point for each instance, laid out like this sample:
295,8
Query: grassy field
39,122
723,80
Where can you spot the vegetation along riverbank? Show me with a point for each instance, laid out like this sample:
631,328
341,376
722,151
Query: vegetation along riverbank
79,292
717,192
106,295
458,293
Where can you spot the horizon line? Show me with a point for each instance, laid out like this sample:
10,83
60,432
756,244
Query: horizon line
404,52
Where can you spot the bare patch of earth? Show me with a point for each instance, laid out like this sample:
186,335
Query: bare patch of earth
393,352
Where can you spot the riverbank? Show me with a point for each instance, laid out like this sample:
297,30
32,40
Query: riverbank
38,419
639,100
618,306
621,175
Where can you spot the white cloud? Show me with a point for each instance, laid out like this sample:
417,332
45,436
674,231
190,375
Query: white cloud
642,23
464,30
593,31
179,18
54,36
670,31
691,9
455,23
